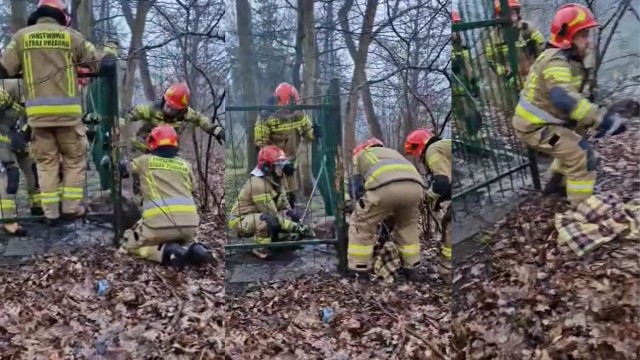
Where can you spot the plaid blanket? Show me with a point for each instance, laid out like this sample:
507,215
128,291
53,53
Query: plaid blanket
598,220
386,261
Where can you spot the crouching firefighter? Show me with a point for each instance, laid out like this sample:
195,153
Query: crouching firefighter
257,210
14,156
552,115
435,154
387,188
167,230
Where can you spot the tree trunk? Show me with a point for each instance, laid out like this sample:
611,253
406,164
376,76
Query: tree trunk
309,49
358,78
85,18
137,32
18,15
247,73
142,63
295,76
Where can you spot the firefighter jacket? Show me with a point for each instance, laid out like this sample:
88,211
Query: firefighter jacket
47,54
166,185
530,44
380,166
285,133
261,194
152,116
461,67
552,95
10,111
437,160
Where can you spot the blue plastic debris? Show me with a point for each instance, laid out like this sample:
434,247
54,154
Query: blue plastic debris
101,287
326,314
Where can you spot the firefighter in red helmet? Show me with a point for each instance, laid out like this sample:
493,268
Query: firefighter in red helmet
552,115
435,154
166,233
388,189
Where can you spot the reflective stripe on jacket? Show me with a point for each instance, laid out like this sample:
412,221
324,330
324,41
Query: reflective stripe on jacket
166,185
380,166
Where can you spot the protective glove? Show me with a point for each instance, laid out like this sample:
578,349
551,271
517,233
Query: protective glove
18,141
293,215
123,167
304,231
217,132
612,124
317,133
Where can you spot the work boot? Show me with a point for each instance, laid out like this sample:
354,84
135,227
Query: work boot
14,229
198,255
37,211
80,212
555,186
413,275
174,256
262,253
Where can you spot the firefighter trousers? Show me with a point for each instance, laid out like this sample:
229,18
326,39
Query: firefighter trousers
26,165
147,243
252,225
573,157
399,204
55,147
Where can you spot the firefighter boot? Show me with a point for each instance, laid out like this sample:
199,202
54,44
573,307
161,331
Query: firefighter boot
37,211
174,256
555,186
198,255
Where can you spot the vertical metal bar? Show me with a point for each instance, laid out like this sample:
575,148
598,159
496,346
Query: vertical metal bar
335,171
112,111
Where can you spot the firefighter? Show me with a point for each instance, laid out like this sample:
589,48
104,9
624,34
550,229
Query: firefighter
173,109
435,154
465,111
552,114
14,156
387,188
261,209
287,129
529,45
47,53
169,223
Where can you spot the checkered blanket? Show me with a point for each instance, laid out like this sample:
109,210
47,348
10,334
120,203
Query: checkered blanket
598,220
386,261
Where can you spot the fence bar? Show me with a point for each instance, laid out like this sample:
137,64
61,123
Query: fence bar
491,181
281,244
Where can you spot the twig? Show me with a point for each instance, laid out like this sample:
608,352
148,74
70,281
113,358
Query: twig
181,303
201,354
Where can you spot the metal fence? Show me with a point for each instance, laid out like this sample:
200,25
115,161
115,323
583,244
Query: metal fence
489,161
324,203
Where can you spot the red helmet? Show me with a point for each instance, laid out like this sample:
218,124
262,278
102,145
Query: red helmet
455,17
163,135
271,155
177,96
513,4
286,94
367,144
417,141
57,4
83,70
569,20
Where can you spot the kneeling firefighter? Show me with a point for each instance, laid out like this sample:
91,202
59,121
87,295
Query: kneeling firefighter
167,230
553,116
387,188
256,211
14,156
435,154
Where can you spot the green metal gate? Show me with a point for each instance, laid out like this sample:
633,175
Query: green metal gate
101,97
326,165
488,158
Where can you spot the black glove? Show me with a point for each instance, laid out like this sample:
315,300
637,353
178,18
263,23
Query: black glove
218,133
612,124
18,141
273,225
293,215
317,133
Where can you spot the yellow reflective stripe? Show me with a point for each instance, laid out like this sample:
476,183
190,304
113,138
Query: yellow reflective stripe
5,139
72,193
28,75
558,73
387,168
170,209
286,224
50,198
446,252
54,110
261,198
433,159
580,186
142,252
262,240
581,110
532,86
7,204
408,250
71,75
360,250
529,117
234,222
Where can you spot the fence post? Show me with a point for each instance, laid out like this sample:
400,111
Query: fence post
112,123
335,170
